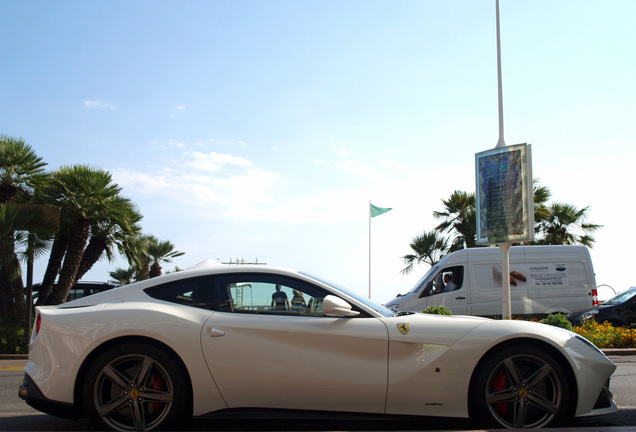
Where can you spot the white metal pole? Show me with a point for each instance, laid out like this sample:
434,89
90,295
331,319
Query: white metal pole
369,248
506,307
500,142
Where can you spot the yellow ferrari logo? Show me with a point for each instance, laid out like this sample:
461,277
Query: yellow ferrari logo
403,328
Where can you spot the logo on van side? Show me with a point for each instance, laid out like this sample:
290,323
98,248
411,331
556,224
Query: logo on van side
561,268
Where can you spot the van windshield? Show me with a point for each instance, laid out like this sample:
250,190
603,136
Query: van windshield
429,274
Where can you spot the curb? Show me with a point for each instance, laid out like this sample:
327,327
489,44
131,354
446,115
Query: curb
619,351
14,356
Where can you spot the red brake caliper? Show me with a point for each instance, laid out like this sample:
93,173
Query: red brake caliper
157,384
498,384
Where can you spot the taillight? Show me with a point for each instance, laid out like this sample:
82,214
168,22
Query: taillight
38,323
594,297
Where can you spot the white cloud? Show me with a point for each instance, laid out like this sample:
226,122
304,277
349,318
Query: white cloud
220,184
342,152
213,161
94,104
228,143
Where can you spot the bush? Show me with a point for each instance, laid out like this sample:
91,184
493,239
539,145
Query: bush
437,310
606,336
557,320
12,338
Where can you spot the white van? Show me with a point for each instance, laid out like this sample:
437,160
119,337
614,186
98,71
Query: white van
543,280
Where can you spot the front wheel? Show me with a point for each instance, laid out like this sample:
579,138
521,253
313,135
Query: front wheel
520,387
135,387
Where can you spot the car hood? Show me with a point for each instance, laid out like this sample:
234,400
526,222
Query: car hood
598,308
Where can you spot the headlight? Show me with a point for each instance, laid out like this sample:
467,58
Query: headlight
589,315
588,343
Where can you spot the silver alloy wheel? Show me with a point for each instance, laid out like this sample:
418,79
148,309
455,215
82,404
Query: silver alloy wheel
524,391
133,392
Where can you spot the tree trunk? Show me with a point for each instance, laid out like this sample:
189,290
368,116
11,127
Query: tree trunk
72,259
155,270
6,296
58,250
12,295
92,254
19,304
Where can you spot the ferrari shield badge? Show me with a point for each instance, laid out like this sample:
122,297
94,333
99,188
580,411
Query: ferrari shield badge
404,328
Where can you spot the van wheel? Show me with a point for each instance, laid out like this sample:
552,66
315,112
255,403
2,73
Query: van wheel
135,387
519,387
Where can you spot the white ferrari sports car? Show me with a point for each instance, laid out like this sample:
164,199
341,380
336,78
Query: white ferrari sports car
154,353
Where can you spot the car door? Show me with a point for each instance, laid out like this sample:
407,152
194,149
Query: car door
262,354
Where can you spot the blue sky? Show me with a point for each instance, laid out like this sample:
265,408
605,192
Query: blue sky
261,129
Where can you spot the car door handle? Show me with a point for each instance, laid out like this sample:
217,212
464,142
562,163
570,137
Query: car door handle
460,298
214,332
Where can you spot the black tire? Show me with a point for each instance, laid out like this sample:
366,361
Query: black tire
136,387
519,387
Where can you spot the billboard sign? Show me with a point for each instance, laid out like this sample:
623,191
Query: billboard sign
504,195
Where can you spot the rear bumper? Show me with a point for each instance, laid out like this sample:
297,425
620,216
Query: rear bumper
30,392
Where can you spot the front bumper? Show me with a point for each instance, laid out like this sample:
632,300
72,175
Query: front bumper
604,404
33,396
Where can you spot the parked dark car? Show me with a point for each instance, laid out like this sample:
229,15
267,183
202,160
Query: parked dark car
80,289
618,311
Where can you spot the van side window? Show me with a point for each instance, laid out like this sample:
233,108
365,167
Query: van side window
446,280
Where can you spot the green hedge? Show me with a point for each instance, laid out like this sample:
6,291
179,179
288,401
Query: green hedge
12,339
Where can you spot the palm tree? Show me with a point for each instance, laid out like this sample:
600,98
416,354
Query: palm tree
541,195
123,276
561,224
145,254
554,224
20,171
160,252
459,217
83,195
136,251
112,229
428,247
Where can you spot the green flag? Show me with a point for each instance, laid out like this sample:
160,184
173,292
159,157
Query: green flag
377,211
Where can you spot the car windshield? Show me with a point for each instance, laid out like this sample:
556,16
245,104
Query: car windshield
622,297
367,302
421,282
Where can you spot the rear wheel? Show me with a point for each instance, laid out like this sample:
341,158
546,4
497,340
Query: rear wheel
135,387
520,387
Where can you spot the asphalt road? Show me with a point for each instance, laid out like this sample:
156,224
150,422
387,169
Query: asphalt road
16,415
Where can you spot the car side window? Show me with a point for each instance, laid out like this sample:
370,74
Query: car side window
265,294
196,292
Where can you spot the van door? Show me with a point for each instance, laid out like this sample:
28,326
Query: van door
449,289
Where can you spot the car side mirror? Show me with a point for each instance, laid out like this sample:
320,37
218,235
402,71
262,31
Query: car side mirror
333,306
